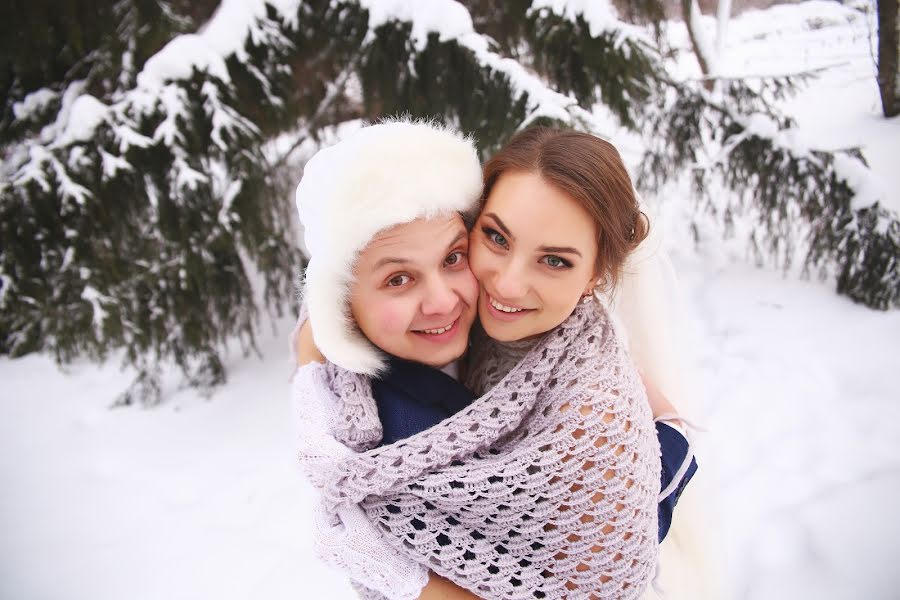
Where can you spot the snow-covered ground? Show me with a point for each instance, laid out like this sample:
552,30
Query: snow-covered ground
201,499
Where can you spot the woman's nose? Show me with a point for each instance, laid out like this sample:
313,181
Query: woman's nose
440,297
509,281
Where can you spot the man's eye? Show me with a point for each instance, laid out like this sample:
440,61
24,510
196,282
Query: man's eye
398,280
454,259
556,262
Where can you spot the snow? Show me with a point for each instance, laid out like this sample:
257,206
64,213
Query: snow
201,498
95,299
600,15
800,400
187,177
33,103
226,188
195,499
87,113
223,35
841,108
801,407
129,137
868,187
113,164
449,19
174,104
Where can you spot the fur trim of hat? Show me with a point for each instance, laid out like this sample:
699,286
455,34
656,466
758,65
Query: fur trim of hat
383,175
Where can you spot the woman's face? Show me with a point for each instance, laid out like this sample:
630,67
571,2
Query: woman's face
414,295
534,251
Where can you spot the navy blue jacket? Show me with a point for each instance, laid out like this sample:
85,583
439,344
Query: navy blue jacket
412,397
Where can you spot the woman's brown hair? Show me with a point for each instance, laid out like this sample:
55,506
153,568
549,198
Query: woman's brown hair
590,171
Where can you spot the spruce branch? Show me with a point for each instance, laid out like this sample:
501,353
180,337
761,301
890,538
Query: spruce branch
741,141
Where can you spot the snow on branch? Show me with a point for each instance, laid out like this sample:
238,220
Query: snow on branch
824,199
451,21
124,208
600,15
226,34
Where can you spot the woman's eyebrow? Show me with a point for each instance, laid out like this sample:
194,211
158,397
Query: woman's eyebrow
560,250
501,225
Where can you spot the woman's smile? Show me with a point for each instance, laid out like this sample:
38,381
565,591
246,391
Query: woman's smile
503,310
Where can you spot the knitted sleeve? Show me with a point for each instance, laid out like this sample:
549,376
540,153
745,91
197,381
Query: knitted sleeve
345,538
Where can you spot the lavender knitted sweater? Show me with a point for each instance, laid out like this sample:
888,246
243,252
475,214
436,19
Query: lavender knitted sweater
544,487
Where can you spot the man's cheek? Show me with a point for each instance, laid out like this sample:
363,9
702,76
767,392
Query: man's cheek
394,319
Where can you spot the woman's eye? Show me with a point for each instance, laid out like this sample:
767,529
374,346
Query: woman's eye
398,280
556,262
454,259
495,236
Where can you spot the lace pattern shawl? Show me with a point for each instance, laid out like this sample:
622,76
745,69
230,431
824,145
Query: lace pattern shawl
544,487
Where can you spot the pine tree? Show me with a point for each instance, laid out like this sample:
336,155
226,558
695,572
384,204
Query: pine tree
134,223
803,200
142,185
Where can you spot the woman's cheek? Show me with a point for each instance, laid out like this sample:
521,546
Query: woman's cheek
477,259
468,286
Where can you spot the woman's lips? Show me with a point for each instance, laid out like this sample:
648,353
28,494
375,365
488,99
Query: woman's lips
493,307
446,334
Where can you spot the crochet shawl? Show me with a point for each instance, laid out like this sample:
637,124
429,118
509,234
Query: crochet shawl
544,487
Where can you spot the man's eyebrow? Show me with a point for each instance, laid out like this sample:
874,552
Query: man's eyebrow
457,239
559,250
388,260
501,225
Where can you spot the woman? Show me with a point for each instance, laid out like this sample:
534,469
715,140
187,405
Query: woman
515,311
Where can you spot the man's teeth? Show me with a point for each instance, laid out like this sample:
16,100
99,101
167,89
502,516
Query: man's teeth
438,331
504,308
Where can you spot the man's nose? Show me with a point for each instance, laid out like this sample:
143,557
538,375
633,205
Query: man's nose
440,298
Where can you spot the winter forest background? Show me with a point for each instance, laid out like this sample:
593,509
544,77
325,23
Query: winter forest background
150,254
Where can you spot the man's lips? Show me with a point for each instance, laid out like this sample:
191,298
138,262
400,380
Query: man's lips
439,334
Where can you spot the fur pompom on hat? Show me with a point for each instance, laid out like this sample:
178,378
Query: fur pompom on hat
382,175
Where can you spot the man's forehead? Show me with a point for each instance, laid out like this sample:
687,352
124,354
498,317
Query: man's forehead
434,230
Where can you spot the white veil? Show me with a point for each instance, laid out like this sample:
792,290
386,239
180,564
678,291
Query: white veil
649,311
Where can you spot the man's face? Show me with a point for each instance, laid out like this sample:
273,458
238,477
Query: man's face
414,295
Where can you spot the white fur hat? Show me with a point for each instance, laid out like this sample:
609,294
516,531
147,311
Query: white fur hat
380,176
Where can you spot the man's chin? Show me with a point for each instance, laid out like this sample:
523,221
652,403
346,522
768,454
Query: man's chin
442,358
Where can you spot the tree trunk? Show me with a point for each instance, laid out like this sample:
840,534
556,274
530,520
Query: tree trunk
888,50
723,15
691,12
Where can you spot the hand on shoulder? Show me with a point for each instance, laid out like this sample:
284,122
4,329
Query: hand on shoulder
305,346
